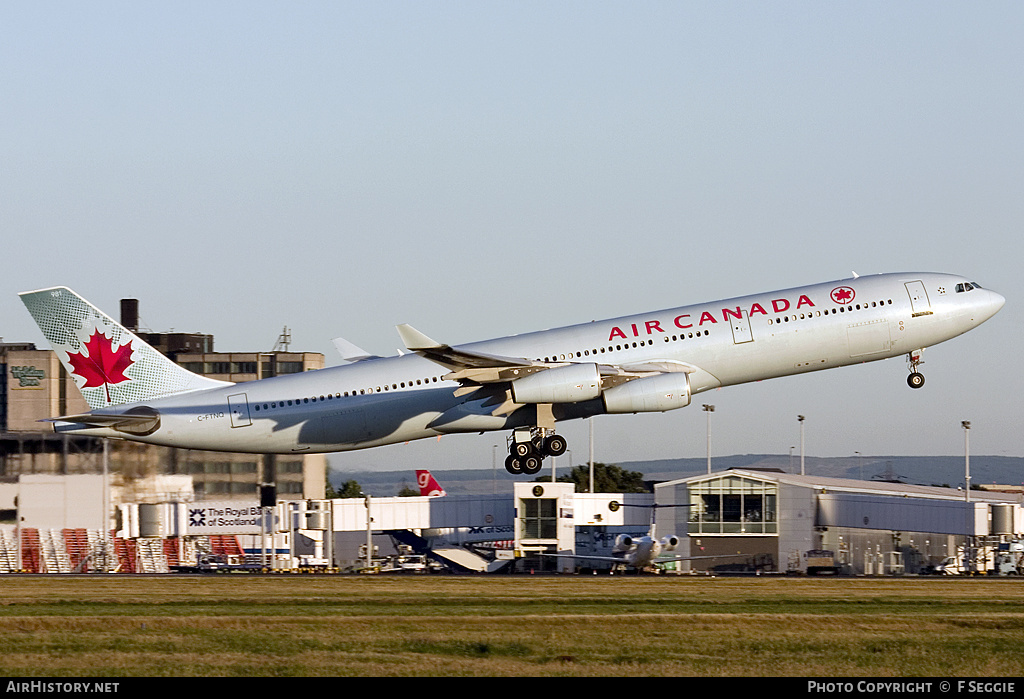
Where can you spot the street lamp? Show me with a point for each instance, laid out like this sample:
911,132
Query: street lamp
591,456
966,424
801,419
708,409
494,468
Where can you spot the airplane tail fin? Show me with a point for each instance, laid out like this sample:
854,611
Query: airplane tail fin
428,484
110,364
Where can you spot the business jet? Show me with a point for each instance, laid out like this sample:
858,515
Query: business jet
636,552
651,362
642,552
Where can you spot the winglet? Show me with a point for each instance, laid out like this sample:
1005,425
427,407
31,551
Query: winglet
415,340
351,353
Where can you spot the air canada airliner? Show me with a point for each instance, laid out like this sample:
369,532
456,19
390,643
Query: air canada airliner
651,362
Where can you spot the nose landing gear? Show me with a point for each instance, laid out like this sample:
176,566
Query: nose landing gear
528,447
916,378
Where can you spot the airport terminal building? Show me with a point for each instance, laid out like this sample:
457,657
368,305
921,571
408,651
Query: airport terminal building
872,527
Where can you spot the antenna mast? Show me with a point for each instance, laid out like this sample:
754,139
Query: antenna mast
283,341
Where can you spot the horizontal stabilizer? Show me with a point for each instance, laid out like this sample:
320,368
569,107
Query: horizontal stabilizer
99,420
137,421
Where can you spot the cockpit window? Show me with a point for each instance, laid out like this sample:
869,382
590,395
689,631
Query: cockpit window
967,286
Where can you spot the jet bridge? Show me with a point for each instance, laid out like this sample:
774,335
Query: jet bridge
553,522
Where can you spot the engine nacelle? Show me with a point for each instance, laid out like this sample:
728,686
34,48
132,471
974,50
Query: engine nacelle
564,384
653,394
623,542
669,543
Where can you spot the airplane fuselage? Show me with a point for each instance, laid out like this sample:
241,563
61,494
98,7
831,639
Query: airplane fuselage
382,401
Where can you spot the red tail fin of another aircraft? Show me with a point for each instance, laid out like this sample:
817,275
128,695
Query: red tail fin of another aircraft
428,484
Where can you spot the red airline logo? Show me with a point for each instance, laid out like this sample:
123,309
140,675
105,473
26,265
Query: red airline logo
101,364
843,294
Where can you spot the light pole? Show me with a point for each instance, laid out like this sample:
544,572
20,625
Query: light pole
494,469
966,424
708,409
801,419
791,458
591,456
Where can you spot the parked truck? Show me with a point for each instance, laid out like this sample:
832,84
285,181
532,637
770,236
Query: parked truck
821,561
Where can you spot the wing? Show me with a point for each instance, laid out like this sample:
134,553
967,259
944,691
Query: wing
656,561
474,370
699,558
610,559
457,359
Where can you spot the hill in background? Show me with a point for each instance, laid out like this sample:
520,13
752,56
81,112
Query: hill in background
920,470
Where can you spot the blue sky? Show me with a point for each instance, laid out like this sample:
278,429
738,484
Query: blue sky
481,169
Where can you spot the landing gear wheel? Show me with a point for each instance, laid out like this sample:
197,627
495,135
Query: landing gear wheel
532,464
514,465
555,445
521,449
916,378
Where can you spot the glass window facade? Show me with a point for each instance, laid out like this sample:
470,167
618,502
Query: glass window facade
539,518
730,504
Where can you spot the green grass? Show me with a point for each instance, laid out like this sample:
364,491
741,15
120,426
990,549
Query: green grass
509,626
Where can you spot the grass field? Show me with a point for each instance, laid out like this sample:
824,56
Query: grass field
236,625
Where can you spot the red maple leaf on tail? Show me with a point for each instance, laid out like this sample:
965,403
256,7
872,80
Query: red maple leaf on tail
104,365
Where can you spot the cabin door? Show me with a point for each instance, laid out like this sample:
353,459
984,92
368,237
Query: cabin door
741,329
238,404
919,303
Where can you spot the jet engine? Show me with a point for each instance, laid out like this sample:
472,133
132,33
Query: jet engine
652,394
623,542
564,384
669,543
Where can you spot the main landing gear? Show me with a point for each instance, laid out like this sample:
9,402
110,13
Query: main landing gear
916,378
527,448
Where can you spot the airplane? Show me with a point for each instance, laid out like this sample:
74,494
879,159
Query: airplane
429,486
650,362
641,552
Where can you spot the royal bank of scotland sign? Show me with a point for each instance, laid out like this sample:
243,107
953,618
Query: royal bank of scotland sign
225,518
